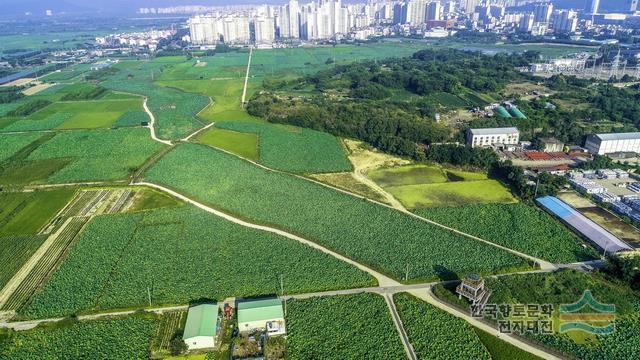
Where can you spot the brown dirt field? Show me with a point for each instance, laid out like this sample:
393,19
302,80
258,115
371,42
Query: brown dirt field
36,89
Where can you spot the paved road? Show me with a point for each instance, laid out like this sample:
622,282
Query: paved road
408,348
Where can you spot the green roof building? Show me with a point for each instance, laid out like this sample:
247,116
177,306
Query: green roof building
202,326
501,111
266,315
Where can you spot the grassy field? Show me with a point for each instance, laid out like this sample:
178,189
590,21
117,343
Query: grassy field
516,226
452,194
374,235
408,175
436,334
11,144
14,252
78,115
175,110
239,143
294,149
342,327
27,213
118,339
226,95
91,154
182,254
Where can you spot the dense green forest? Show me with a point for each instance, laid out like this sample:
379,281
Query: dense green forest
390,104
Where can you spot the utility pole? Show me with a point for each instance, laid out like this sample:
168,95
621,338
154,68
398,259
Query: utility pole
149,294
282,293
537,184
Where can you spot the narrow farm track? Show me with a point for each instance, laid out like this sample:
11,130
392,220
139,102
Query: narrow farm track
408,348
360,176
383,280
198,132
152,123
246,79
542,263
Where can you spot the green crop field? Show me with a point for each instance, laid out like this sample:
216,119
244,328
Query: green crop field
14,252
516,226
452,194
436,334
294,149
182,254
27,213
226,95
342,327
67,73
92,153
117,339
502,350
375,235
78,115
175,110
221,66
11,144
239,143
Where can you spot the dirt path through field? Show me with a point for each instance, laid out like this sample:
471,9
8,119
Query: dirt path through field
152,124
246,79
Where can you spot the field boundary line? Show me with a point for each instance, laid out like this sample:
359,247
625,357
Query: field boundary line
25,270
382,279
198,131
542,263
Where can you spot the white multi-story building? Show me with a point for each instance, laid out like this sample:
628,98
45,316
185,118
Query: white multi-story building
565,21
264,30
603,144
415,12
235,30
434,11
489,137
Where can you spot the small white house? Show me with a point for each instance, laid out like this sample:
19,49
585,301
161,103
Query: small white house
201,327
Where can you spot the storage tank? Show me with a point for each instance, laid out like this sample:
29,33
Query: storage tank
516,113
501,111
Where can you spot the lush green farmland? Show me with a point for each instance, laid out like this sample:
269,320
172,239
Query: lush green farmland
123,338
436,334
502,350
239,143
11,144
67,73
294,149
221,66
77,115
27,213
182,254
452,193
342,327
93,153
14,252
174,110
516,226
299,61
132,118
226,95
375,235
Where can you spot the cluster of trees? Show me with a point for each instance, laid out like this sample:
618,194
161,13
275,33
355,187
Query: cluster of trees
616,104
10,94
389,128
461,155
626,269
520,184
102,74
85,94
368,110
28,108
